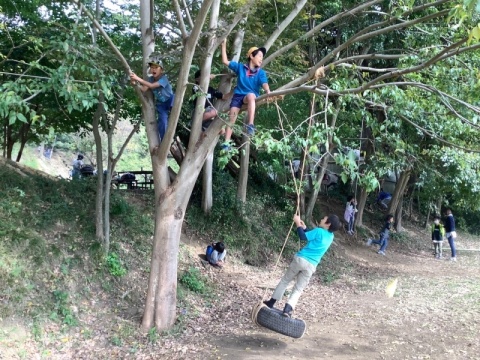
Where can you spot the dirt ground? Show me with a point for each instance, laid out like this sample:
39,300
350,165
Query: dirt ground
435,313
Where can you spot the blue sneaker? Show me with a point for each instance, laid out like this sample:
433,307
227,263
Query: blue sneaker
250,129
225,146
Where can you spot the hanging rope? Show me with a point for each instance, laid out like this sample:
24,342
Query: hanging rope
296,182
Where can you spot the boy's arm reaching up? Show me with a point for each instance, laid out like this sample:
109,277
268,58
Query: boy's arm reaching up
299,222
224,53
145,84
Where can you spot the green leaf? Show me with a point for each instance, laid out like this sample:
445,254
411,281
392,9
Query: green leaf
21,117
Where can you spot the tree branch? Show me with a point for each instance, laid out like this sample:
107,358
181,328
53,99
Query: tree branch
287,21
316,29
187,12
181,24
355,38
105,35
433,60
434,136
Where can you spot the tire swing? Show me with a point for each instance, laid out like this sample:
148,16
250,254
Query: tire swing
273,319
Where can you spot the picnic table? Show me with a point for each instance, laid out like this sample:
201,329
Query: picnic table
139,179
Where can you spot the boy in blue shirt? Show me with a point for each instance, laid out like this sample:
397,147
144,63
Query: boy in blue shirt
250,78
162,91
305,261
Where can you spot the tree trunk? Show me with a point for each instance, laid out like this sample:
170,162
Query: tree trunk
207,197
171,199
425,224
397,198
244,162
398,215
318,179
99,234
25,128
438,205
362,200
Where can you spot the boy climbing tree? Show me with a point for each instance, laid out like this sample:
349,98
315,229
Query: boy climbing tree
250,78
162,91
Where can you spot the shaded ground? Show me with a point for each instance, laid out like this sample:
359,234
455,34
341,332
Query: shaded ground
435,312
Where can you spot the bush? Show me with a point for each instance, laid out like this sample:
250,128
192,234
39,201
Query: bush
194,281
115,266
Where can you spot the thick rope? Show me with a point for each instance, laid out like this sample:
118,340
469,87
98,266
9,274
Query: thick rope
297,185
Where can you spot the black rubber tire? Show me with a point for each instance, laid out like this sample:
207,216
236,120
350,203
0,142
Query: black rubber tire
274,320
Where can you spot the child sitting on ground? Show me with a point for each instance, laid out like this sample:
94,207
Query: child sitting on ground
216,254
305,261
438,234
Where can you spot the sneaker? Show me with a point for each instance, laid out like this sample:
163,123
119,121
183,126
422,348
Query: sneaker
250,129
287,311
453,259
369,242
381,253
270,303
225,146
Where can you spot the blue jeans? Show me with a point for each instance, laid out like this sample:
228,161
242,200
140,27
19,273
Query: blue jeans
350,223
163,109
383,242
451,242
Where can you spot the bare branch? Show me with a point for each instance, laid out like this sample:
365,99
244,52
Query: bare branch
187,12
368,69
105,35
285,23
443,97
433,60
181,24
355,38
316,29
240,15
435,136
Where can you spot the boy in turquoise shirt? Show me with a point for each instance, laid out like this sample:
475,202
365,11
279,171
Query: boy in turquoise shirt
305,261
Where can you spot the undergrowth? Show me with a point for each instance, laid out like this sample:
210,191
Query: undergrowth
256,228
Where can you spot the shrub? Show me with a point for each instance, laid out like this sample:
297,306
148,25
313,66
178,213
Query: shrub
193,280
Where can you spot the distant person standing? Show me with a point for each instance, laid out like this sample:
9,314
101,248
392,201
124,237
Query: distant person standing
349,215
451,234
76,166
438,234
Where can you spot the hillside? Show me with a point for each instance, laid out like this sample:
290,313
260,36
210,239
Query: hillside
60,300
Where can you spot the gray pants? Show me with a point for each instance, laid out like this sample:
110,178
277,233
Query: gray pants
437,245
300,269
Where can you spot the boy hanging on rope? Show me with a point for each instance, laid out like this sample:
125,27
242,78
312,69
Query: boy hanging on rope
250,78
306,260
